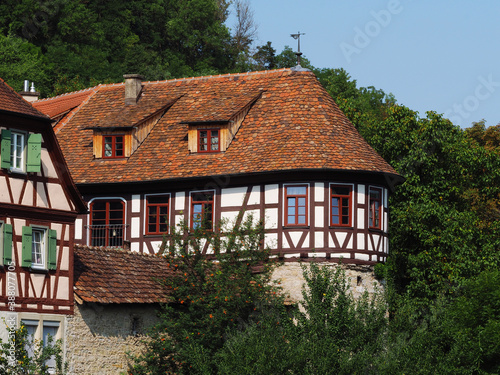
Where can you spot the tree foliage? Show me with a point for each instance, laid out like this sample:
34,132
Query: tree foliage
209,296
16,360
100,41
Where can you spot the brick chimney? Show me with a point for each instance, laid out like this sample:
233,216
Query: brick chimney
132,88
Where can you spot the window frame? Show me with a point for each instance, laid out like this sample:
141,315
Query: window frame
205,202
296,196
41,321
372,210
43,247
15,134
107,238
341,197
209,139
157,215
113,146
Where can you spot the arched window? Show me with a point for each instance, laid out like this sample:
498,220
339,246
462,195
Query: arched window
107,225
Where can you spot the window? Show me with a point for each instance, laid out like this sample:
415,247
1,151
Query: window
107,223
296,205
208,140
17,151
202,210
113,146
19,156
39,248
341,198
5,243
375,208
157,214
45,329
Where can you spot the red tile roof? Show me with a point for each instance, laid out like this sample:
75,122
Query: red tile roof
293,125
117,276
13,102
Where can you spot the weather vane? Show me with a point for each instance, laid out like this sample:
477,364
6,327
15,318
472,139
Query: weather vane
297,37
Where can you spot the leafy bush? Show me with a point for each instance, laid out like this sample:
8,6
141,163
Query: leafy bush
210,295
19,362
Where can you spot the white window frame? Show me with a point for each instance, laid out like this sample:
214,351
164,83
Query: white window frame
43,247
14,157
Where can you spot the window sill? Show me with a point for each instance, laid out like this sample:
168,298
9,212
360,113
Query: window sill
296,226
38,269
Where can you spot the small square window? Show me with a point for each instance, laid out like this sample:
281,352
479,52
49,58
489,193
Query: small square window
113,146
341,203
296,206
157,207
208,140
202,210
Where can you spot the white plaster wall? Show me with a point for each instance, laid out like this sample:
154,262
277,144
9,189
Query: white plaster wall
180,198
361,194
254,196
4,190
78,229
27,199
271,218
57,197
231,197
135,227
136,203
16,186
47,165
319,192
271,193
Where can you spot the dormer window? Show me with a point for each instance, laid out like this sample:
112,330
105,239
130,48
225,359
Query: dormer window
208,140
113,146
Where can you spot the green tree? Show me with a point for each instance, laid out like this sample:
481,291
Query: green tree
22,60
100,41
332,333
209,296
15,359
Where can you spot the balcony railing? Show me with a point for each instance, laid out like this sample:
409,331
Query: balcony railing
107,235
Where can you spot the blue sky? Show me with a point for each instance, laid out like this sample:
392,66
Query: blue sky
438,55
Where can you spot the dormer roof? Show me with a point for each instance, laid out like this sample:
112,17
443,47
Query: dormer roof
290,123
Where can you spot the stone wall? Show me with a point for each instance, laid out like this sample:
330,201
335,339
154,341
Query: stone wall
98,336
361,278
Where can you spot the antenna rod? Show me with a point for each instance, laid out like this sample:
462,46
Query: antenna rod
297,37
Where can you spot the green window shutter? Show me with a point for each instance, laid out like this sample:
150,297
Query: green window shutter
34,153
27,247
52,261
5,149
7,243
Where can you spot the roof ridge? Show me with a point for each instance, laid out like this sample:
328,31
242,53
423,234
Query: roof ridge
67,94
115,250
224,75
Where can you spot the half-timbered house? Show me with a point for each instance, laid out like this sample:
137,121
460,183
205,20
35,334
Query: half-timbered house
39,203
146,155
